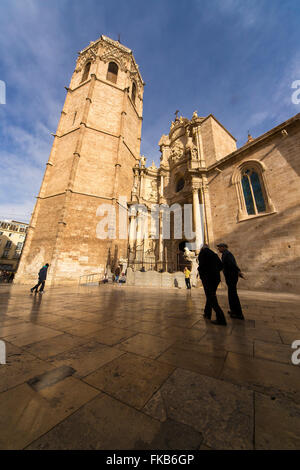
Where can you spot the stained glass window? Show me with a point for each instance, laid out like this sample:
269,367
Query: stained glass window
248,195
253,194
257,191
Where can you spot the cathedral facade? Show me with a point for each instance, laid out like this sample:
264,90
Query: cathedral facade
246,197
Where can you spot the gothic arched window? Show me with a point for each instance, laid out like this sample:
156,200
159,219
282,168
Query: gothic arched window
86,71
133,92
253,193
251,186
112,72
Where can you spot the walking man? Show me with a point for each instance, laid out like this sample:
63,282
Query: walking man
187,274
209,269
232,273
42,279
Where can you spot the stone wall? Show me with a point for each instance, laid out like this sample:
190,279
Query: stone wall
267,247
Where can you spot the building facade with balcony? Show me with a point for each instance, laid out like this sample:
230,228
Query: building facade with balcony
12,238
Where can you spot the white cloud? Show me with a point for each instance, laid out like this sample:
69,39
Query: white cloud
20,182
31,66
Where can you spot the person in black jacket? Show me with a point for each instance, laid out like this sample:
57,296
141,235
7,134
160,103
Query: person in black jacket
42,279
209,269
232,273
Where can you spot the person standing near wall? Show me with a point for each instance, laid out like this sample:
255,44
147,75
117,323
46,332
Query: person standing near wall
42,279
117,274
187,274
232,273
209,269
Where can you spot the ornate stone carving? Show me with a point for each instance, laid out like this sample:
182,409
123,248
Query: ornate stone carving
194,153
135,182
189,141
113,53
164,145
164,141
192,258
143,161
176,151
190,147
87,56
153,166
154,193
196,186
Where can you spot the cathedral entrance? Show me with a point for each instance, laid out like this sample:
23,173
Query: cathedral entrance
181,261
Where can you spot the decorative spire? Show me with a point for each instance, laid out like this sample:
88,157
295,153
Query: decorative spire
250,138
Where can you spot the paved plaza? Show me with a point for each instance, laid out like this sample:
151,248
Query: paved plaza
116,367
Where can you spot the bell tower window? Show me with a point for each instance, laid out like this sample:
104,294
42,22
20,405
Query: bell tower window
112,72
133,92
180,185
86,72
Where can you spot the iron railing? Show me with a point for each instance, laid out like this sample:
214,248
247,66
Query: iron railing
90,279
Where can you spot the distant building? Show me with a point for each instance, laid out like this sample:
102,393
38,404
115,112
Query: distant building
12,238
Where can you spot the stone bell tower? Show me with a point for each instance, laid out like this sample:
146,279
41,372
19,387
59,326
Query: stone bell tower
95,148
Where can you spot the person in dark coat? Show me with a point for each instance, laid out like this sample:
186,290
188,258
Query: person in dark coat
42,279
232,273
209,269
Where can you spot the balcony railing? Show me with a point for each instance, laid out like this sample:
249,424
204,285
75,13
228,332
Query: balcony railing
90,279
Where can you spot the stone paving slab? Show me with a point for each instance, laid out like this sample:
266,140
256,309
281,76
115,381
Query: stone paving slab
273,352
205,362
25,415
288,336
277,424
130,378
29,337
82,328
263,375
265,334
150,327
86,358
10,376
52,347
221,412
236,344
112,336
146,345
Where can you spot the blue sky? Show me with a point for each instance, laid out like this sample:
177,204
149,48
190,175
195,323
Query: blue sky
236,59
